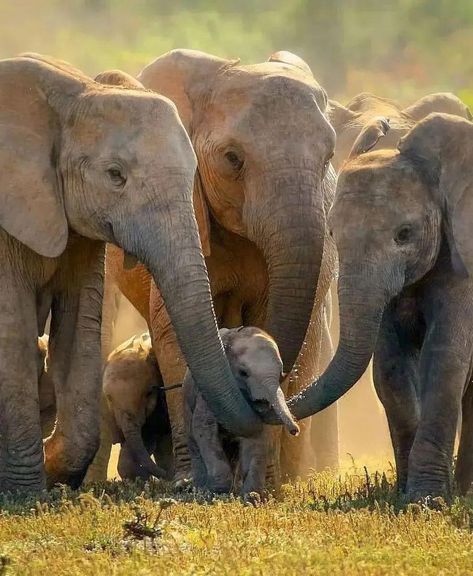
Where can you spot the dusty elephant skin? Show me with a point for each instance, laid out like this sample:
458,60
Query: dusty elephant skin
402,224
82,165
257,366
137,411
263,187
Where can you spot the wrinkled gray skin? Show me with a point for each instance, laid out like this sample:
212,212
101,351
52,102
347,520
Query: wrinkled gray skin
349,120
402,224
84,164
256,364
137,412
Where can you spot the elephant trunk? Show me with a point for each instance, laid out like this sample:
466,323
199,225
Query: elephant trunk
361,311
292,241
279,405
134,441
168,244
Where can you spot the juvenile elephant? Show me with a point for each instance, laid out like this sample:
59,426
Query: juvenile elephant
137,412
263,188
83,164
402,224
257,366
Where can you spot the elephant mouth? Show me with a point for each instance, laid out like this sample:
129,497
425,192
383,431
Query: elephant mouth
260,406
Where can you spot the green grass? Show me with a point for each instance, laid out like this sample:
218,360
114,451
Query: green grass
349,524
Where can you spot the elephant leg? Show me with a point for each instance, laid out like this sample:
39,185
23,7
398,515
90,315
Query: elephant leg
21,450
173,369
324,426
163,454
75,362
127,467
464,467
206,435
444,369
396,375
199,470
98,470
253,463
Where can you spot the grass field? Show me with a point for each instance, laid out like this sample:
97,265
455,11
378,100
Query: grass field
348,524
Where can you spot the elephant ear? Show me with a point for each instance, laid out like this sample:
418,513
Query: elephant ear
441,146
340,116
186,77
369,136
34,100
290,59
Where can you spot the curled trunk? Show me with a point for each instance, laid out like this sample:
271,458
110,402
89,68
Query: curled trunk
168,244
361,310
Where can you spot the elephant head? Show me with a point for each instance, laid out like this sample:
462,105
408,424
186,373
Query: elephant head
257,366
391,212
114,165
263,146
130,387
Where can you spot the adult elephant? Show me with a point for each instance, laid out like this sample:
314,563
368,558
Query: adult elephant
405,296
82,165
263,187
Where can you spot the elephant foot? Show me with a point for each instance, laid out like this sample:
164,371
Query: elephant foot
62,466
181,484
432,497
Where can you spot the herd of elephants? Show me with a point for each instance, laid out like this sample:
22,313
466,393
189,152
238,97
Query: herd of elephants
239,209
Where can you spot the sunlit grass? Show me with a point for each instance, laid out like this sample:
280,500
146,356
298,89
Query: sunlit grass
350,523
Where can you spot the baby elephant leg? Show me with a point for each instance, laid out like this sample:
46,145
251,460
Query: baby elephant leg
253,463
206,435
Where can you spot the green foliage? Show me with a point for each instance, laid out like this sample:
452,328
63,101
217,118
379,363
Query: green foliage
352,524
398,48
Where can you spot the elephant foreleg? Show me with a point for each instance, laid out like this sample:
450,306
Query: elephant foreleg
253,462
396,376
75,362
21,453
324,426
464,468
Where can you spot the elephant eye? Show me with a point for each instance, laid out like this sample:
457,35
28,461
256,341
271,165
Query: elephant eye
235,161
243,373
403,235
116,177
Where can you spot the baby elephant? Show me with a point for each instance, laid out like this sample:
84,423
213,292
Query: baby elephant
137,410
256,364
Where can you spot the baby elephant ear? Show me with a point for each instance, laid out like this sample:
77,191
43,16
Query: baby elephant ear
368,138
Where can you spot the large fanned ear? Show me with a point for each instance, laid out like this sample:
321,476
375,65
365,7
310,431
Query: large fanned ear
184,76
442,148
369,136
34,100
290,59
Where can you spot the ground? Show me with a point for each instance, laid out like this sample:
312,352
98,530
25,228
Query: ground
351,523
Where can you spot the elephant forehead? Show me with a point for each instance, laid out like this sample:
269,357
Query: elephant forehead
380,181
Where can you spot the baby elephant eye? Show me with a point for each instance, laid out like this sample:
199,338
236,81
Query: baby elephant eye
403,235
116,176
235,161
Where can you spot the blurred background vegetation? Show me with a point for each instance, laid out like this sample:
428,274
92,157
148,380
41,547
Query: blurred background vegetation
396,48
